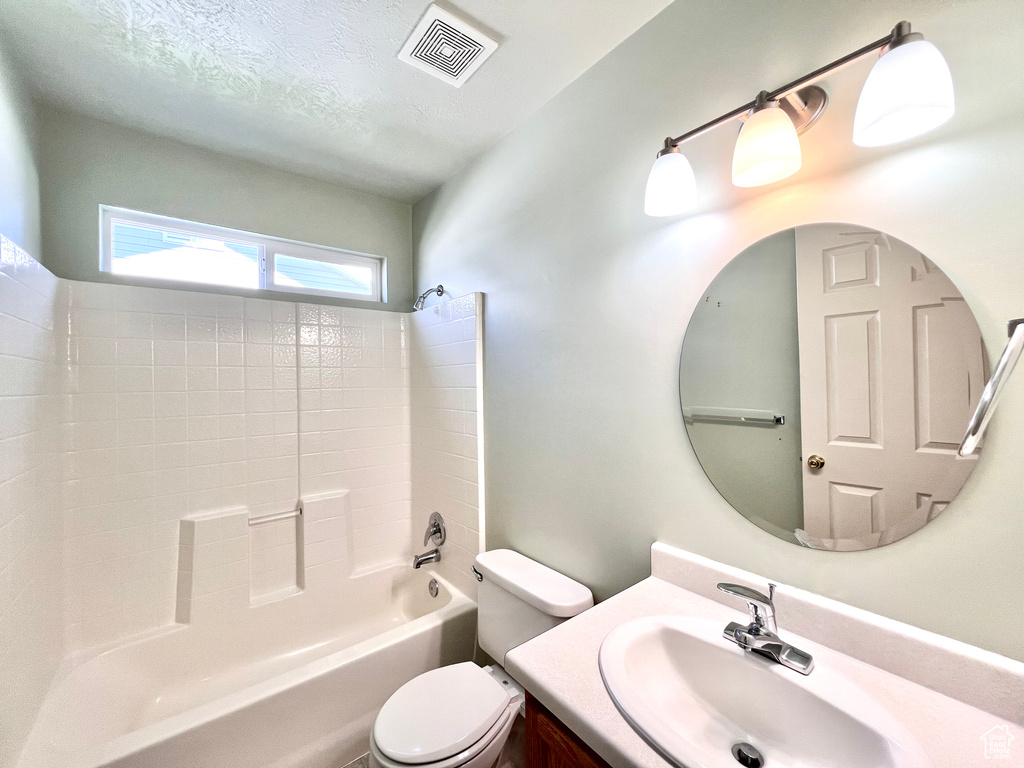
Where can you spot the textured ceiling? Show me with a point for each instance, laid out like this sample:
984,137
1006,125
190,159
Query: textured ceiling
313,86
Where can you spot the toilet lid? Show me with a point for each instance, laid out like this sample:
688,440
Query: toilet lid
439,714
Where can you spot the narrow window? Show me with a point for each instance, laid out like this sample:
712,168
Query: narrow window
142,245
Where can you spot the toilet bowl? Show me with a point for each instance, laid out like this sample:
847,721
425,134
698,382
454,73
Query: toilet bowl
454,716
461,715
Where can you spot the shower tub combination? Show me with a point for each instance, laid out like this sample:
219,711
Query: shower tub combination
294,683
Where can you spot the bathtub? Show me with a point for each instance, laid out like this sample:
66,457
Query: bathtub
294,683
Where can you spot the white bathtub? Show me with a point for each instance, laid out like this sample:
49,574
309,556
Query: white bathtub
293,683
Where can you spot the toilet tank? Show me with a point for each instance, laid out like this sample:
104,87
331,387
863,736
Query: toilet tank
519,599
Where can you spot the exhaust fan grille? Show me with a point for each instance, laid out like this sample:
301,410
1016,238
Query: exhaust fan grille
446,47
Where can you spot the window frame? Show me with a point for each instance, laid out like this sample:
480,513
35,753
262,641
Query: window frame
266,245
328,256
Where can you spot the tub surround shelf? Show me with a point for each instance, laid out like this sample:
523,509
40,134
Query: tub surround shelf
560,668
230,560
275,517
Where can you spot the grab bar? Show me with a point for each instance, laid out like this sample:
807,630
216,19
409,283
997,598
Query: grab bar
731,415
273,517
994,388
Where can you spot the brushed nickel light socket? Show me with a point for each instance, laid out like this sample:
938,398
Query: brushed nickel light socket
803,107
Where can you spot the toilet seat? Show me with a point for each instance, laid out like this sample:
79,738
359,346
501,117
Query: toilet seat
446,713
482,754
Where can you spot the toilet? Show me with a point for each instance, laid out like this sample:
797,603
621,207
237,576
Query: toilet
460,716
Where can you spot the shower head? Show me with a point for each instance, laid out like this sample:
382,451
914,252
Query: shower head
423,297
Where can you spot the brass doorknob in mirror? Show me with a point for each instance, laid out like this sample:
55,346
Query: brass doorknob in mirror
815,462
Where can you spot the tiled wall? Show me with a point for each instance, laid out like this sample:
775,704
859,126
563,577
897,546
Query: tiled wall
179,403
274,559
446,356
136,421
326,539
187,403
354,422
30,417
169,406
213,564
230,561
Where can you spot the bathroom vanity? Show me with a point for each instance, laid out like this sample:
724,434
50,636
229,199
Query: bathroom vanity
550,743
947,702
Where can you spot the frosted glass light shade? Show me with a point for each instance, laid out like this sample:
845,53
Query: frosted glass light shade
671,187
908,92
767,149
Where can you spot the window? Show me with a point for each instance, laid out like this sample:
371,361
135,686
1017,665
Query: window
145,245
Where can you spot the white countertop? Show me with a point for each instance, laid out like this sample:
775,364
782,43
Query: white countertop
560,669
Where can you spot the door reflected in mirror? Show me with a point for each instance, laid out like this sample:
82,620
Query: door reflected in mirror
826,379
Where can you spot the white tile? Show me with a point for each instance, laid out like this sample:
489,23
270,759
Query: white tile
180,403
444,444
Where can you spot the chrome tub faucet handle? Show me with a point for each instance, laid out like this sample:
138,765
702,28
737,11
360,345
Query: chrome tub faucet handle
435,530
435,533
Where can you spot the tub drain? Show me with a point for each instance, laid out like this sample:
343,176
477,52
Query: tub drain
747,755
433,588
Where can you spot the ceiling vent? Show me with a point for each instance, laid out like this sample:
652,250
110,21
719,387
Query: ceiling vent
446,47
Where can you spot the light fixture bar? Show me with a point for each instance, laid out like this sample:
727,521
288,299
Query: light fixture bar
900,33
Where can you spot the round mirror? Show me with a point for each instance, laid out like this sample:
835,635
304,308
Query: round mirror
826,379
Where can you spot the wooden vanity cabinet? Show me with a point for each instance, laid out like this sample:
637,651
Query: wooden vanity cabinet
550,743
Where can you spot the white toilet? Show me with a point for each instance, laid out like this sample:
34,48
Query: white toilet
461,715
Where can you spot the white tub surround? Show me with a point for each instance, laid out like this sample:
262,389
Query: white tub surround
968,693
213,565
184,404
232,560
30,524
180,405
293,682
447,430
156,442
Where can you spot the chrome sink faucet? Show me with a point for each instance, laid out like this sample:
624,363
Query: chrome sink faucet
437,534
761,635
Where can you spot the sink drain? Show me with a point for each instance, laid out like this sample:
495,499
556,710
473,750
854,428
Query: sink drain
747,755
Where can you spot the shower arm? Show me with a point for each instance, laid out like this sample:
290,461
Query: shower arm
439,290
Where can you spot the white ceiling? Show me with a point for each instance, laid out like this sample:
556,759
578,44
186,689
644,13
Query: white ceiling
313,86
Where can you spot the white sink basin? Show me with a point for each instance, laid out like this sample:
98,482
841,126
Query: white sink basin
693,695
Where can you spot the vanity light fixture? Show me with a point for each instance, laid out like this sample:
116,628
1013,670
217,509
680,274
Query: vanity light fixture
908,93
671,187
767,149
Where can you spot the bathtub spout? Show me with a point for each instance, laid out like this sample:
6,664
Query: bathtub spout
433,556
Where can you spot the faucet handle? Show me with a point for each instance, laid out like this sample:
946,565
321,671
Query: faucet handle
760,606
749,594
435,530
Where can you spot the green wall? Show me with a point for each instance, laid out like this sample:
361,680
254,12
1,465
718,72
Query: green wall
587,299
19,180
86,162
